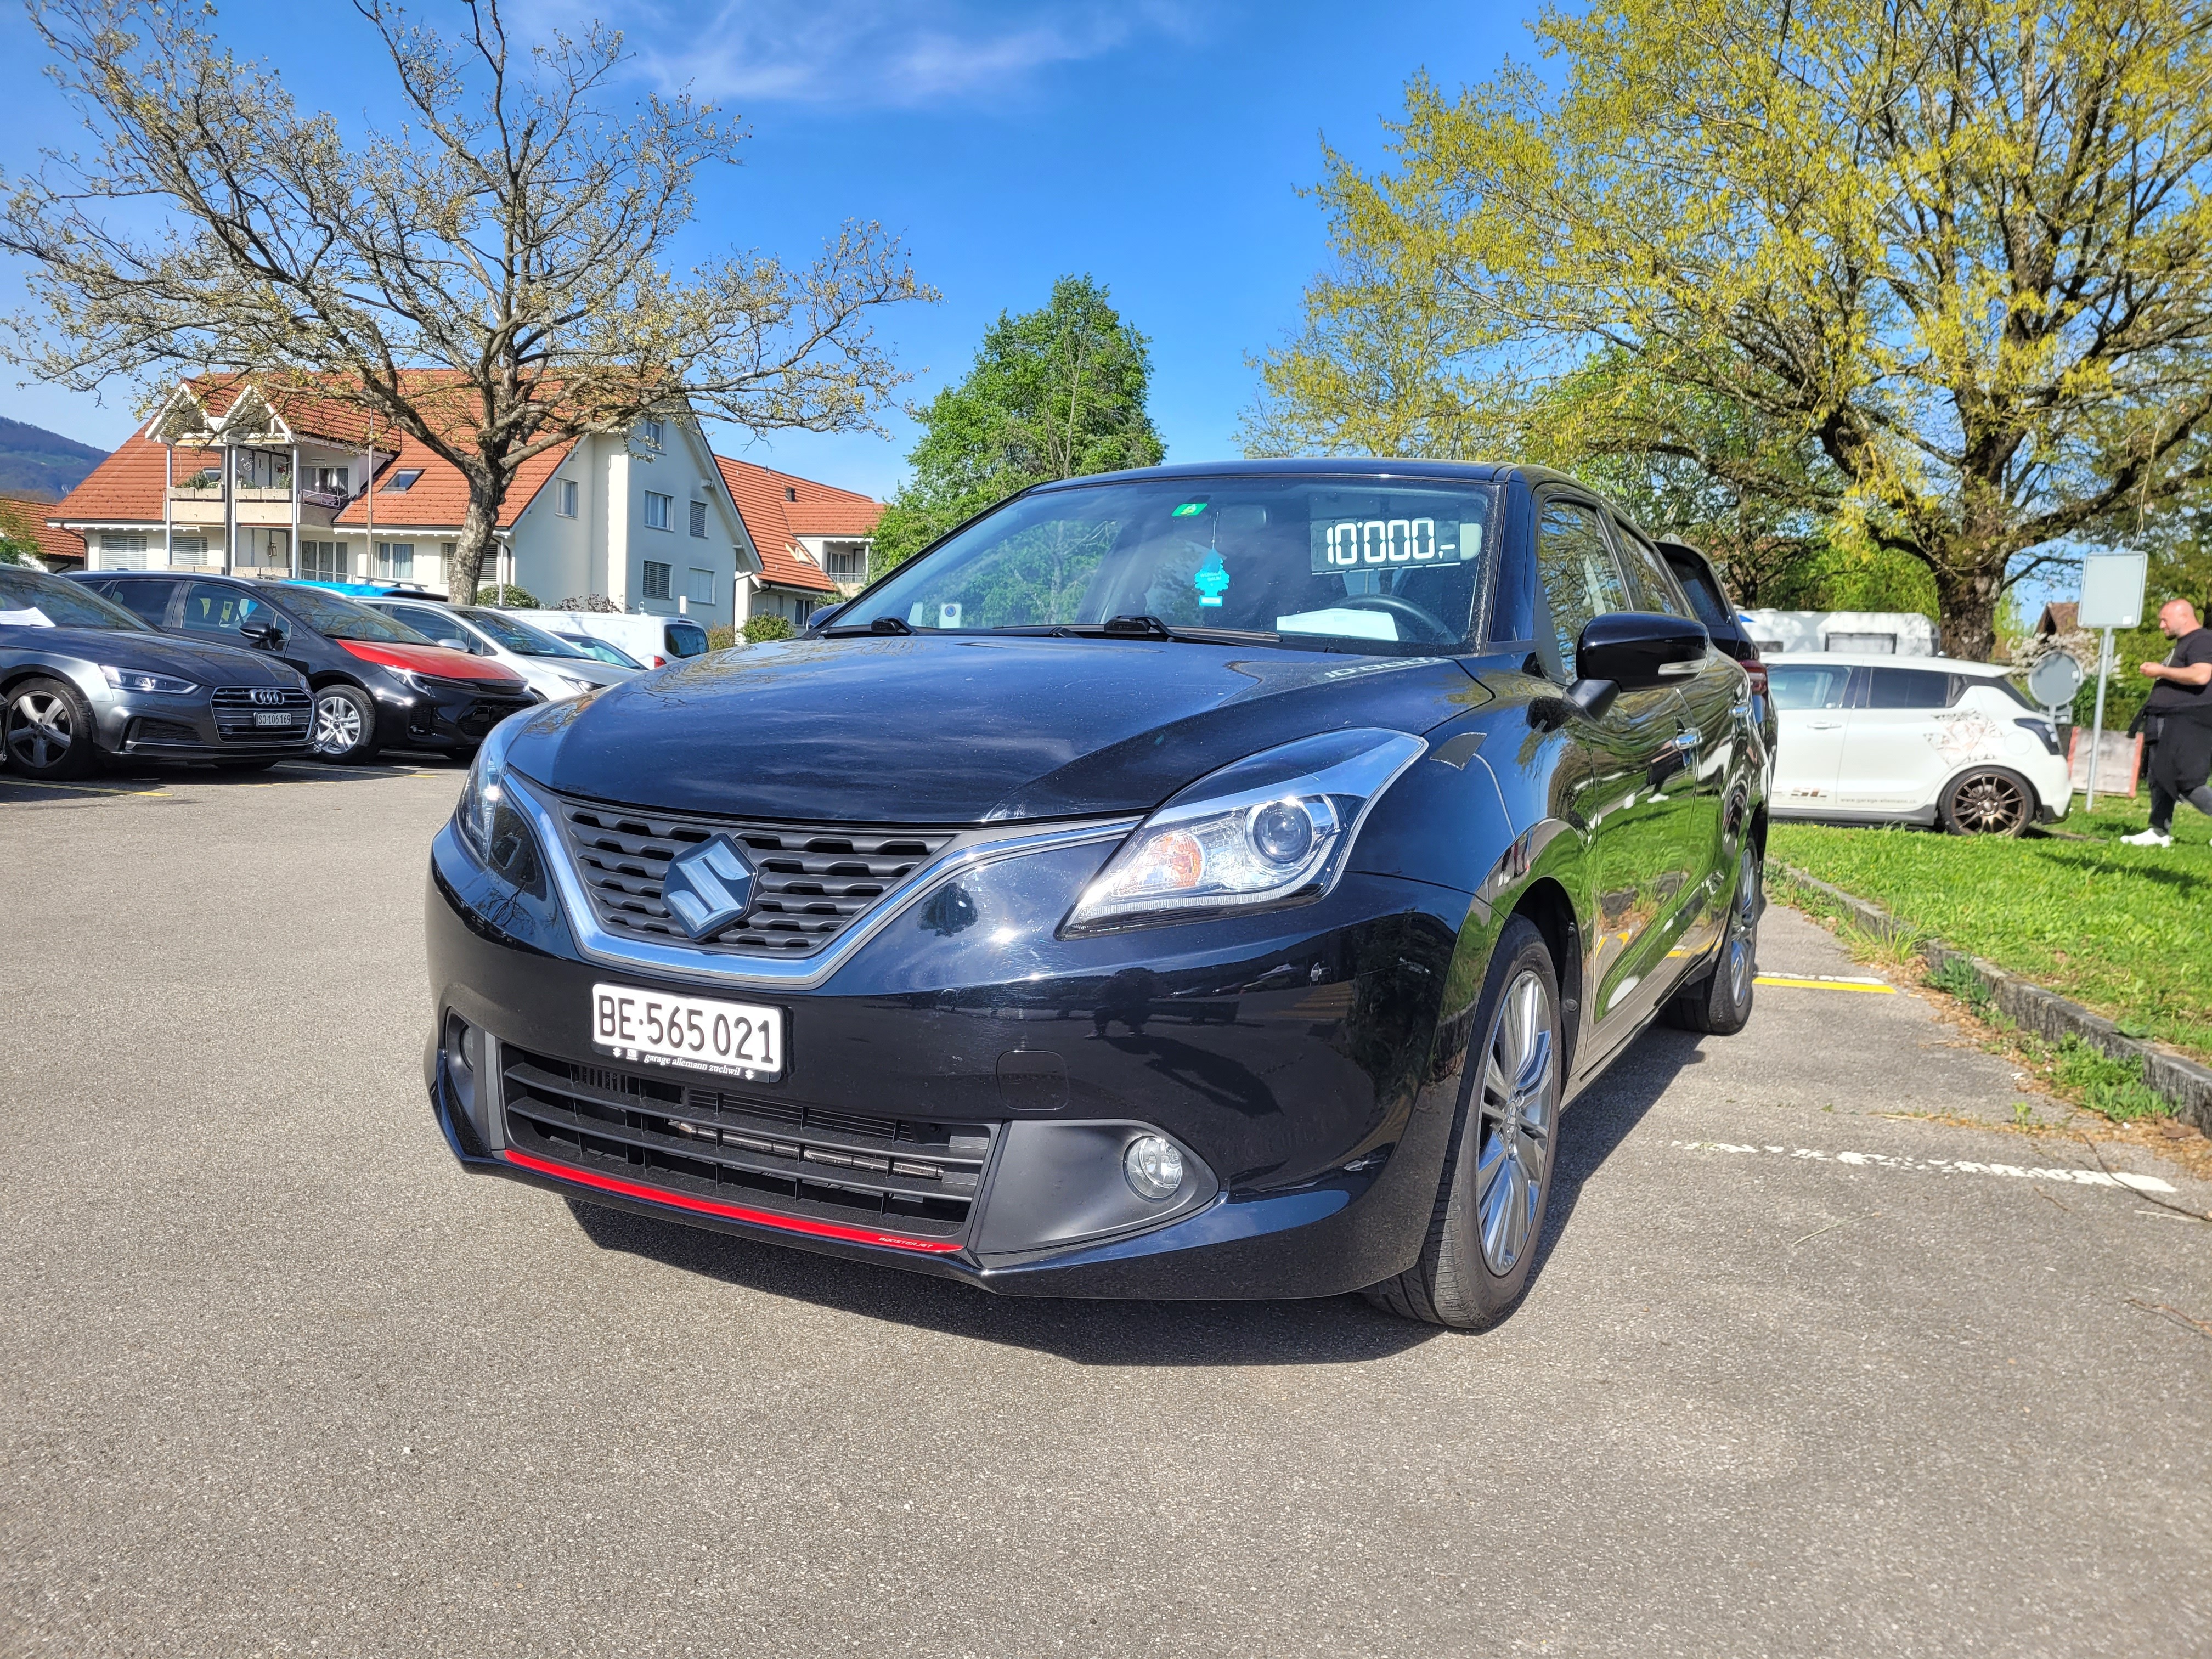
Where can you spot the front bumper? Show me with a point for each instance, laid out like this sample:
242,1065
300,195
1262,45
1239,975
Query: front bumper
158,726
1292,1055
450,716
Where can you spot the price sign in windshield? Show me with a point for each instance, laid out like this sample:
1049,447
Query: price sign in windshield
1343,545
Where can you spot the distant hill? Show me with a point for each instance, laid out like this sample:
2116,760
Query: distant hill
36,462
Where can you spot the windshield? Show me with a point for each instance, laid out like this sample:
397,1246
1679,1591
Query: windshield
64,605
341,618
519,637
613,656
1337,563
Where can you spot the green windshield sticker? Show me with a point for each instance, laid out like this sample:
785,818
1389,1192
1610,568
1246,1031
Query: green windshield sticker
1212,580
1188,510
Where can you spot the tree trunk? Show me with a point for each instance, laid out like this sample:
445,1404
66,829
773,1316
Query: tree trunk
477,526
1966,602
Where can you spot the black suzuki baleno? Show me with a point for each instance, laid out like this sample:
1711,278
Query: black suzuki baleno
1200,882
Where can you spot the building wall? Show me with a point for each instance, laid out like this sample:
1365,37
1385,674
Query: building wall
680,469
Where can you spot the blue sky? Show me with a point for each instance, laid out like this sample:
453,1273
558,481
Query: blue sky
1157,145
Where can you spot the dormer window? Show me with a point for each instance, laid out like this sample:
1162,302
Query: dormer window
791,492
401,481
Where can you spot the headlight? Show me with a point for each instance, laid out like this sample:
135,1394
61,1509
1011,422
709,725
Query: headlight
1271,830
132,679
576,687
413,681
493,829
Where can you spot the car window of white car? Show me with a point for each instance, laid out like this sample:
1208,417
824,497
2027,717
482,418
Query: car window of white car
436,625
1797,687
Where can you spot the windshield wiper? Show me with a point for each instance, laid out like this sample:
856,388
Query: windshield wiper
880,625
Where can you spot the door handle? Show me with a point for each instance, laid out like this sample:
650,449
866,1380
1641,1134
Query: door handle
1824,725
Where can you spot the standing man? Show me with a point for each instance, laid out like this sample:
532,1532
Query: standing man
2178,720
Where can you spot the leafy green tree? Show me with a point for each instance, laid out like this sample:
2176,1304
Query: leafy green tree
1947,270
1054,393
760,630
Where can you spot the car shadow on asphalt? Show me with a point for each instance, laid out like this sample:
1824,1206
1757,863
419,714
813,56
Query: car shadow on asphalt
1334,1330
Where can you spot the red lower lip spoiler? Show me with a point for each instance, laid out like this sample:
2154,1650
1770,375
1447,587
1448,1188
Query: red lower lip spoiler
789,1224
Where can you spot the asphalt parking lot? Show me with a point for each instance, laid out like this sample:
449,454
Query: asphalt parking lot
1803,1370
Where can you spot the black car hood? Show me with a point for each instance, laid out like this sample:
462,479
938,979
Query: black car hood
917,730
208,664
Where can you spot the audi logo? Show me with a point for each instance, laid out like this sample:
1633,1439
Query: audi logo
270,697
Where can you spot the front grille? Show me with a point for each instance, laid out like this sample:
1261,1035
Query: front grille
899,1173
481,717
810,882
235,705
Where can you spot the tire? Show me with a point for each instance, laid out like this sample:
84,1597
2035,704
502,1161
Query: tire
345,725
47,730
1497,1183
1989,800
1719,1004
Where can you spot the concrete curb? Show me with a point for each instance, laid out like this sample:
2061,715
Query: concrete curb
2181,1080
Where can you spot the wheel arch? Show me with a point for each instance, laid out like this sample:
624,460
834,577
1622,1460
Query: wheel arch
1546,903
2035,801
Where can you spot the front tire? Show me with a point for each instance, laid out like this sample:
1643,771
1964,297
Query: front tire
345,725
47,729
1719,1004
1989,800
1496,1184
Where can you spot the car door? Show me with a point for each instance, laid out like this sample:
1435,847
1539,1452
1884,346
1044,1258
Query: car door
1810,711
1630,833
439,627
1891,761
1691,779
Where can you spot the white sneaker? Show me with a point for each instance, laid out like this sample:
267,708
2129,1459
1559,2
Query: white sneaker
2148,838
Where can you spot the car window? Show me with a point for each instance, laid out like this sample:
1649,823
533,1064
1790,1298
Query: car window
1649,579
1704,598
341,618
432,624
520,637
149,601
1579,578
686,639
219,609
1807,686
64,604
1393,565
613,656
1908,688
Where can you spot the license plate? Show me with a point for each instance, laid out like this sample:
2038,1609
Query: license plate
273,717
737,1039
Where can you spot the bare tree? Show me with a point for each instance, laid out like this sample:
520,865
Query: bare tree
492,278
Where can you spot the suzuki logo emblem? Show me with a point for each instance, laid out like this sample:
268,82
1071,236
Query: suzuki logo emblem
270,697
709,887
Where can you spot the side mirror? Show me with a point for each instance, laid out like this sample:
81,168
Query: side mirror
1637,650
820,619
263,635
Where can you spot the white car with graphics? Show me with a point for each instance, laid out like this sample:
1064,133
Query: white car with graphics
1883,740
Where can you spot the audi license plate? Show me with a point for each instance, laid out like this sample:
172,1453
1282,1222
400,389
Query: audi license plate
736,1039
274,717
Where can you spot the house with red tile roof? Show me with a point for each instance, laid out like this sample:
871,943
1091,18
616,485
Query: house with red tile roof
235,475
23,518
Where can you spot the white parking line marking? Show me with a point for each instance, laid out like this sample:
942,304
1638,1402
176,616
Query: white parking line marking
2140,1184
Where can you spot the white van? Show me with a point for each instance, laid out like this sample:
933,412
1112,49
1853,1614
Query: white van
656,642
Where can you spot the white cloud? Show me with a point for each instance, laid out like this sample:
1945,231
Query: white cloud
876,53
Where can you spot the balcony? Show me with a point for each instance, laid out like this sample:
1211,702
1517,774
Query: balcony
333,499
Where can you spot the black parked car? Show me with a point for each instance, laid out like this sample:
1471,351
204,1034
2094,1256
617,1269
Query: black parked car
81,678
376,682
1200,882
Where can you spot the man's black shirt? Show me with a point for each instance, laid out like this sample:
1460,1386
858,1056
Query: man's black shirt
2190,701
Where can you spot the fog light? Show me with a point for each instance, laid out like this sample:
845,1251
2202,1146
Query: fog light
1154,1167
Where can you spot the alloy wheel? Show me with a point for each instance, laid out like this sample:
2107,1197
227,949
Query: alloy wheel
337,725
1990,804
1743,932
39,730
1516,1123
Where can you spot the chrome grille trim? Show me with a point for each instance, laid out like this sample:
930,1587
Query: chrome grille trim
810,881
687,961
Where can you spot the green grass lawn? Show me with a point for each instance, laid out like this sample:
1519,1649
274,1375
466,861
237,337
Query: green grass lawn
2124,930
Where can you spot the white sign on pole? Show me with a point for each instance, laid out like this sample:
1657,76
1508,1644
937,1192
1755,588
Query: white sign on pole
2113,590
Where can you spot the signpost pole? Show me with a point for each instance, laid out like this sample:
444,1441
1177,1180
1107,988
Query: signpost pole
2097,731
